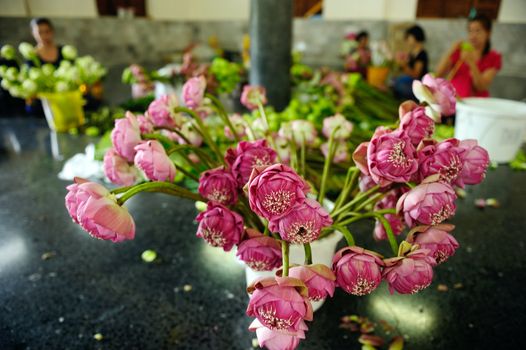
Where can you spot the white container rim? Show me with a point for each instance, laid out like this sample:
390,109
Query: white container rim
493,107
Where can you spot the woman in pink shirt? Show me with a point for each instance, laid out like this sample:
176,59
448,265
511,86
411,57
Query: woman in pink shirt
472,66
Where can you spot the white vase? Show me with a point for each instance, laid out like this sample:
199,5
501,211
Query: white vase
322,253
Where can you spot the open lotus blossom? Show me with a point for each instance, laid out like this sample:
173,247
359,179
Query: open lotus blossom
344,127
118,170
428,203
437,239
194,91
411,273
161,112
189,131
278,340
219,186
358,271
341,153
260,253
219,226
239,125
391,157
441,158
475,161
395,221
273,191
152,159
416,124
253,95
247,156
319,279
303,131
125,136
145,123
280,303
303,223
96,210
438,93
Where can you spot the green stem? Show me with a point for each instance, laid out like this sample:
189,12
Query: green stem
374,198
223,114
352,175
356,199
347,234
302,156
121,189
390,234
308,253
285,254
327,165
165,187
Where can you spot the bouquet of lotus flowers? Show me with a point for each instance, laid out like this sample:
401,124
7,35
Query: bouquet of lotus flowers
28,82
261,203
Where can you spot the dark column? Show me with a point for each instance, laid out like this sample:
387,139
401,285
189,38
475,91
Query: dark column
270,48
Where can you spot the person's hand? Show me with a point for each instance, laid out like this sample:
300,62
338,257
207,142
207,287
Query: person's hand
455,46
469,57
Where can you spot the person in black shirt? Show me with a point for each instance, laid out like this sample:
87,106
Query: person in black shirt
44,34
415,65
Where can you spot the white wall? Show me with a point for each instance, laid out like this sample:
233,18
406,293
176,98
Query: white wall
198,9
512,11
353,9
62,8
400,10
12,8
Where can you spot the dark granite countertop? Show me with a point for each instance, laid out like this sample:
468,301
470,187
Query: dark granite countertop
88,286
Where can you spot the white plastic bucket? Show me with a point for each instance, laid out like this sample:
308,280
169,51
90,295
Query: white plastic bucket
498,125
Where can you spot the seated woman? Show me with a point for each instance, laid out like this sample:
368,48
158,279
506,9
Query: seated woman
359,57
471,66
414,65
44,34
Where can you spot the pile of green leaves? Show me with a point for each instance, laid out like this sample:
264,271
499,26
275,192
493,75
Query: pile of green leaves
227,74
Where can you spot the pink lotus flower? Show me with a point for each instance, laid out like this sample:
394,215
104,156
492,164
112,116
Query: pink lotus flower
360,159
427,203
475,161
358,271
247,156
438,93
125,136
252,95
194,91
275,190
161,111
145,124
239,125
303,131
277,340
96,210
318,278
338,120
118,170
341,154
436,239
395,221
391,157
188,130
280,303
260,253
152,159
302,224
219,186
441,158
409,274
417,125
219,226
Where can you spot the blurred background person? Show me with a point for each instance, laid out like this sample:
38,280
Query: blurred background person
44,34
359,56
472,65
413,63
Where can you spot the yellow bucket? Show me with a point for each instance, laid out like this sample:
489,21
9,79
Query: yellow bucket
63,110
376,76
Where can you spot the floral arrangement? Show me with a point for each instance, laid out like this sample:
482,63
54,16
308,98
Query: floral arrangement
27,81
260,200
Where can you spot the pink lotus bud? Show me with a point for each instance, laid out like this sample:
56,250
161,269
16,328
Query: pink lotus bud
358,271
475,161
161,111
395,221
318,278
219,226
152,159
338,120
275,190
252,95
194,91
417,125
278,340
96,210
117,169
145,123
303,131
441,158
188,130
260,253
125,136
303,223
436,239
428,203
341,154
219,186
360,158
439,93
365,183
409,274
247,156
391,157
239,125
280,303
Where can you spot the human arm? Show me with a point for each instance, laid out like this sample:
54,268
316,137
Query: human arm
445,64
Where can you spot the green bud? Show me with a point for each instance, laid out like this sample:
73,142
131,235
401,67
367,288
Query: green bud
8,52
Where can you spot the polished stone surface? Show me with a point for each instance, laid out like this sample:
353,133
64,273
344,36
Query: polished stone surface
88,286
